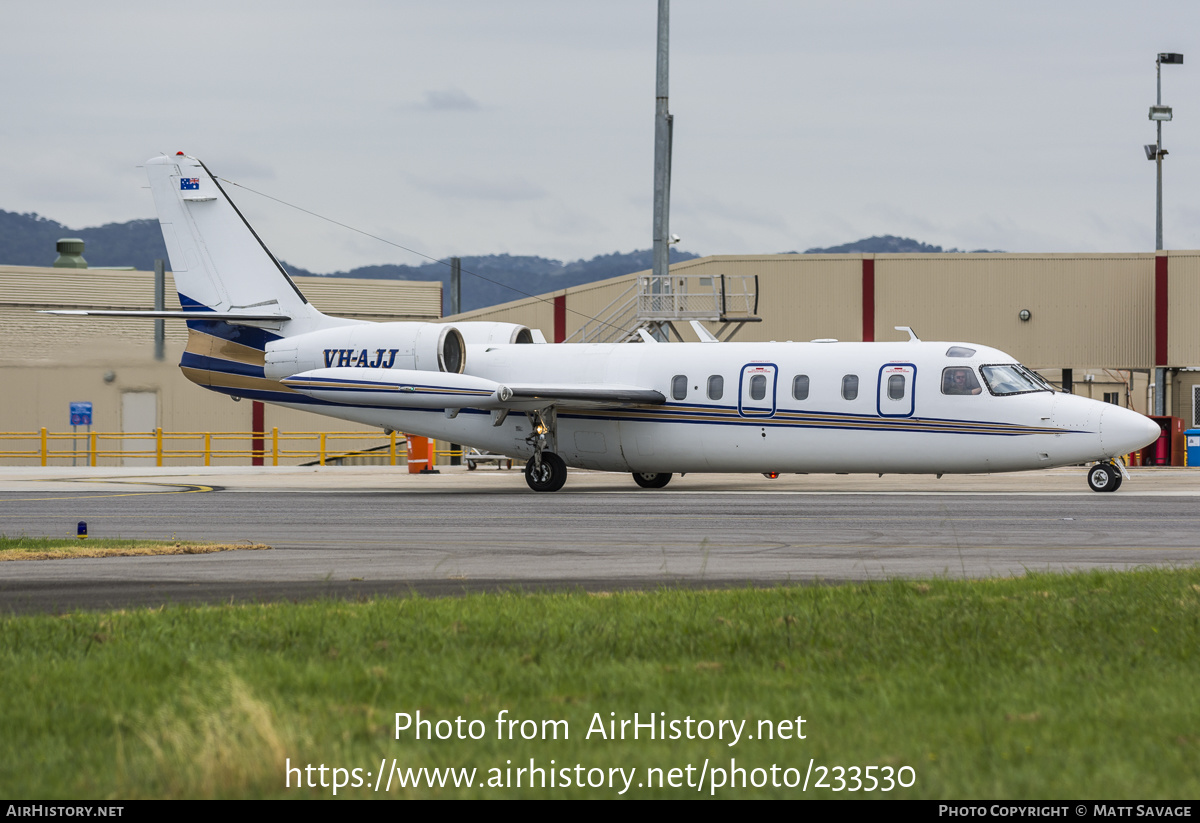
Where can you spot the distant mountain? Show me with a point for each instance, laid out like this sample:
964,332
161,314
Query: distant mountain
28,240
888,244
500,278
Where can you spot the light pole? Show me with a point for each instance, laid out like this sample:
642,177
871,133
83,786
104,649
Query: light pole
1156,152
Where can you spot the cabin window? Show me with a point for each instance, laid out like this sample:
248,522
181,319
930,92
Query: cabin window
758,387
960,380
850,387
960,351
896,387
679,386
716,387
800,387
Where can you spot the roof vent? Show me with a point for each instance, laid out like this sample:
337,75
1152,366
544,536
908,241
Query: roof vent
70,254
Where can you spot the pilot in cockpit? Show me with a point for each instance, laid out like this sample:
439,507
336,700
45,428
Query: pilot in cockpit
960,380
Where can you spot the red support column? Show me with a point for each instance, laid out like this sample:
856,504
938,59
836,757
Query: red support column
868,300
560,318
1160,310
256,424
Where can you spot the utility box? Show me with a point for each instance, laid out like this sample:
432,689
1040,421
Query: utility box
1168,449
1193,447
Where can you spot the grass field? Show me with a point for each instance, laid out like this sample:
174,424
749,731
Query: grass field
1079,686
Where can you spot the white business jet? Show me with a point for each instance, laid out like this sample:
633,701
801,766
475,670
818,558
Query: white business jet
652,409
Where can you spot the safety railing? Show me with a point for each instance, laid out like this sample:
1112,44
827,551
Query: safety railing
194,448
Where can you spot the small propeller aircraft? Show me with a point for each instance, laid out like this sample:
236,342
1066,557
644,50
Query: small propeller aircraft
650,409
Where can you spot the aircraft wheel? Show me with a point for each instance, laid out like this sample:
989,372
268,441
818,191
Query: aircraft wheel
550,476
651,480
1117,478
1103,478
470,465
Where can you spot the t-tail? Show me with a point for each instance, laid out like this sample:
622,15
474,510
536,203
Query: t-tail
242,299
219,263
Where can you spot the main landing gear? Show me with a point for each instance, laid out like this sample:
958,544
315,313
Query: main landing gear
1105,477
545,471
651,480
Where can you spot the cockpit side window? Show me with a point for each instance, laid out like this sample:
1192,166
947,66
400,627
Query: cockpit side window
1012,378
960,380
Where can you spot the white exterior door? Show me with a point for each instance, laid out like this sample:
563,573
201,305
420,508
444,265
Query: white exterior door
756,391
896,388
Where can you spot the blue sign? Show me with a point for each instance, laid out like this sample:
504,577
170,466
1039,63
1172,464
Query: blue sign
81,414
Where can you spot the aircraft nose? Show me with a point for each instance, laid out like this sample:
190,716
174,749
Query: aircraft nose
1124,430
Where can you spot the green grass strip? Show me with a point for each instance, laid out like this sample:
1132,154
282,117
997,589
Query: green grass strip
1047,686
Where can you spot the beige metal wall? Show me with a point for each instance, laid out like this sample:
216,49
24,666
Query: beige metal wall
26,336
1183,295
47,362
1086,310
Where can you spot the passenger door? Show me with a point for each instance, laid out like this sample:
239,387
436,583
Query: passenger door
897,382
756,390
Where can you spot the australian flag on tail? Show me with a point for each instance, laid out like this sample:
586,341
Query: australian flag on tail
187,183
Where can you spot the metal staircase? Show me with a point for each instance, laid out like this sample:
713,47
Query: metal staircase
657,303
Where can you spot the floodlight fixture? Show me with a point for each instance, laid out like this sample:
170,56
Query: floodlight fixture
1170,57
1151,151
1160,113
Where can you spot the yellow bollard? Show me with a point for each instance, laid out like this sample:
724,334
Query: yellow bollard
43,445
275,446
392,449
207,447
92,450
322,448
158,447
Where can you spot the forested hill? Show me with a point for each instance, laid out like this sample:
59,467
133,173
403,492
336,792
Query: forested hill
28,240
499,278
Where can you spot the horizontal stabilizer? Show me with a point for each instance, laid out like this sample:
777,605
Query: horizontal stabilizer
409,388
228,317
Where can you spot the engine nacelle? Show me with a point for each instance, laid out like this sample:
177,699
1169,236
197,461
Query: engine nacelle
479,332
413,346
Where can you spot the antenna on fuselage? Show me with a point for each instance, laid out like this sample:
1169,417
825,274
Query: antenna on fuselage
912,335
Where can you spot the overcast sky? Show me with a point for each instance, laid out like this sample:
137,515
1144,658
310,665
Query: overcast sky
472,127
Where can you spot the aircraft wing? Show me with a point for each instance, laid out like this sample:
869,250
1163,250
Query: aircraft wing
358,386
599,395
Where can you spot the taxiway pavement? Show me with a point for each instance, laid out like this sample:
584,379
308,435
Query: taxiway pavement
350,532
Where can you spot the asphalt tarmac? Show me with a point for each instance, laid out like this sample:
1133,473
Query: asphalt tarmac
359,532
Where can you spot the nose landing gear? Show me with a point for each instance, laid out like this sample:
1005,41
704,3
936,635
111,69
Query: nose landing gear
1105,477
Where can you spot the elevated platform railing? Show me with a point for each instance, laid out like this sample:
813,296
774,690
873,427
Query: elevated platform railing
657,303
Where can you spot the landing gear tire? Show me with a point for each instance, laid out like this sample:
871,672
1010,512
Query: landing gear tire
549,476
1103,478
651,480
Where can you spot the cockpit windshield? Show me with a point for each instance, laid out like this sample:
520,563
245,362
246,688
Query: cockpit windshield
1013,378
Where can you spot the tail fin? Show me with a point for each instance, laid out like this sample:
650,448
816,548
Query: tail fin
219,263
